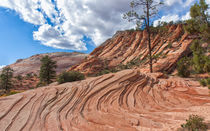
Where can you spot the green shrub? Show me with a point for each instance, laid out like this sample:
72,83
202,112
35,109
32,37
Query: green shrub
205,82
40,84
70,77
195,123
12,93
206,64
169,45
183,67
200,61
104,71
19,77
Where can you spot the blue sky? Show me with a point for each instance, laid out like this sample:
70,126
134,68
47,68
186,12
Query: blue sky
29,27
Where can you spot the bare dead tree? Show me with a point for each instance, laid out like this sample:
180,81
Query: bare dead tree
141,12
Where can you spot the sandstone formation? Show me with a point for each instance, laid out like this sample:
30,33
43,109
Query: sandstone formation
125,101
126,46
32,65
29,68
129,100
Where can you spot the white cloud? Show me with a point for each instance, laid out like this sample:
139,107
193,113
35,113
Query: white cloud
53,37
183,3
167,18
173,18
208,2
171,2
186,17
27,9
2,66
63,23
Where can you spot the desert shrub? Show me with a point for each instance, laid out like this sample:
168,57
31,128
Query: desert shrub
169,45
40,84
136,62
206,64
161,29
29,75
183,67
102,72
70,77
205,82
35,75
19,77
12,93
195,123
122,67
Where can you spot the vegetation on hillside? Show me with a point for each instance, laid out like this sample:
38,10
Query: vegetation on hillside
198,25
70,77
6,79
47,71
194,123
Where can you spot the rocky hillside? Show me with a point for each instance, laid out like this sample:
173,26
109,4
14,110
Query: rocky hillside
129,100
131,46
32,65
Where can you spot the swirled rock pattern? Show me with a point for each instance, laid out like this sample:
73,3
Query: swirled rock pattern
126,46
125,101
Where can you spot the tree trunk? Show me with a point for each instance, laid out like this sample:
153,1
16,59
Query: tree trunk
149,40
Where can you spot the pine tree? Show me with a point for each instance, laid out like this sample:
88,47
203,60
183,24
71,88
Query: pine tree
6,79
199,23
149,10
200,61
47,70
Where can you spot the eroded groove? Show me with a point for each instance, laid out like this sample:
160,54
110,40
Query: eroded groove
23,106
127,100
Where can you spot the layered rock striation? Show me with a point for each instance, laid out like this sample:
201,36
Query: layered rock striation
167,48
32,64
127,101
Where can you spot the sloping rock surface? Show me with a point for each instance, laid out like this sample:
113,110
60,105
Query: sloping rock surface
125,101
128,100
32,65
126,46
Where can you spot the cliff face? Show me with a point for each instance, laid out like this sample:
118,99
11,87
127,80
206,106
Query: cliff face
32,65
126,46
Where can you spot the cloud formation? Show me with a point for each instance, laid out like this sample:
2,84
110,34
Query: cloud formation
2,66
64,23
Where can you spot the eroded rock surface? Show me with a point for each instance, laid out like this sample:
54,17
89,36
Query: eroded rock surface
126,46
127,101
32,64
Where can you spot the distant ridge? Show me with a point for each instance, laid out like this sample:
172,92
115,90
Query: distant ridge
32,64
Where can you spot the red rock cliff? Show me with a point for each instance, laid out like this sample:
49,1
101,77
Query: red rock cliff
126,46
